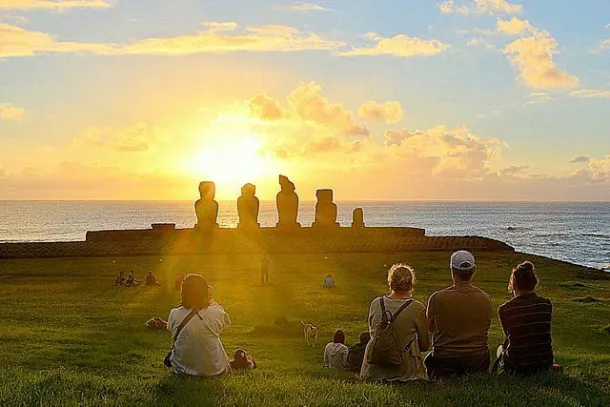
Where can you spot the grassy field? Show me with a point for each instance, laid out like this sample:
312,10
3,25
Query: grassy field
69,337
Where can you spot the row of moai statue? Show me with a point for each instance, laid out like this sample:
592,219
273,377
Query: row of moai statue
287,203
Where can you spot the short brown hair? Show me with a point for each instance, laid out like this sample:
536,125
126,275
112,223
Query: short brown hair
195,292
401,277
523,277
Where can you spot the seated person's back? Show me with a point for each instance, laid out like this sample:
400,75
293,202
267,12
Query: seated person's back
526,322
335,352
329,281
198,350
459,318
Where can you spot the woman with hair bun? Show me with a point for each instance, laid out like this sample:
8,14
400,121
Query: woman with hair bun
409,325
526,322
196,327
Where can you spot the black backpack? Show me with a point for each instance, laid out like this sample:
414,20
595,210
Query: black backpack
385,350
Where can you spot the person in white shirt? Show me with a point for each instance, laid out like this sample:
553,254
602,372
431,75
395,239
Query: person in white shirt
335,352
197,349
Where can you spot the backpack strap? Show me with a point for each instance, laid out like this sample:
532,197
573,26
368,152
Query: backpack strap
402,308
385,312
185,321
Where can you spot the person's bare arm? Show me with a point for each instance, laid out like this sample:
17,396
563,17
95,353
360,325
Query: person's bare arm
430,315
423,338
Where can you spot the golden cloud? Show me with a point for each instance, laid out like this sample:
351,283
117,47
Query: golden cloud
400,46
10,112
390,112
532,56
140,137
481,7
304,6
218,38
52,4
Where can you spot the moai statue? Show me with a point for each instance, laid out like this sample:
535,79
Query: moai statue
206,207
326,210
247,207
287,202
358,218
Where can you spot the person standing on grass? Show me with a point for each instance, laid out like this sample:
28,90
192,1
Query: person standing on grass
197,349
459,318
409,325
526,322
335,352
264,269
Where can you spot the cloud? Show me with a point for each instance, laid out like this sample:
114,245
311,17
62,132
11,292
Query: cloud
514,26
390,112
216,38
52,4
307,103
10,112
266,108
539,97
481,7
604,45
140,137
580,159
514,170
532,56
304,6
444,152
591,93
481,42
399,46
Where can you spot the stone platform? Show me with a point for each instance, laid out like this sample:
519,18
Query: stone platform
165,240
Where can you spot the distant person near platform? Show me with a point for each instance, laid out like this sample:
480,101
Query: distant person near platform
120,280
459,318
329,281
526,322
178,281
196,327
264,269
132,281
151,280
397,324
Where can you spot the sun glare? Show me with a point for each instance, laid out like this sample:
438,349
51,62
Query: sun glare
232,162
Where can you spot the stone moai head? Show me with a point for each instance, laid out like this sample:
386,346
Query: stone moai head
286,185
358,216
207,190
324,195
248,190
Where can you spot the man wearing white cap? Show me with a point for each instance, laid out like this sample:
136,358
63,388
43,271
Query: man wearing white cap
459,318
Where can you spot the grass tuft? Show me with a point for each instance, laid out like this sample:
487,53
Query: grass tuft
587,299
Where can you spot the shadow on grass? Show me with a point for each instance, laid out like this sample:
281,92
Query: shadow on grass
182,390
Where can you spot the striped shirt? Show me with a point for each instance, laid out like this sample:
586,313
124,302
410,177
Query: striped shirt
526,321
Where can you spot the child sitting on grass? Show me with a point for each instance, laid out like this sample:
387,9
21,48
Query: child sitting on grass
242,361
335,352
355,356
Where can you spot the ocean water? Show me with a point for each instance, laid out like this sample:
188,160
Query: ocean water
576,232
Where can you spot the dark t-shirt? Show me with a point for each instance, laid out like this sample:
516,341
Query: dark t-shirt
526,321
355,356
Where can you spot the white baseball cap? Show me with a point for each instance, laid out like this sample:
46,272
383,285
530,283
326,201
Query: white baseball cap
463,260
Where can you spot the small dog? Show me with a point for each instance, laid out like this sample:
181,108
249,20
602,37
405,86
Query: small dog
310,331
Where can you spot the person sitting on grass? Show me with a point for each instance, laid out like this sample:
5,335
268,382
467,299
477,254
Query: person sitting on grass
132,281
402,362
242,361
526,322
120,280
152,280
335,352
197,349
459,318
329,281
355,355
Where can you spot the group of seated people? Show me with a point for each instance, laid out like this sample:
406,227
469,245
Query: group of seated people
132,281
457,319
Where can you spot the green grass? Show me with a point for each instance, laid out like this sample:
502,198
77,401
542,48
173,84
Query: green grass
69,337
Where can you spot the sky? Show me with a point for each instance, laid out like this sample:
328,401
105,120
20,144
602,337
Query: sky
468,100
